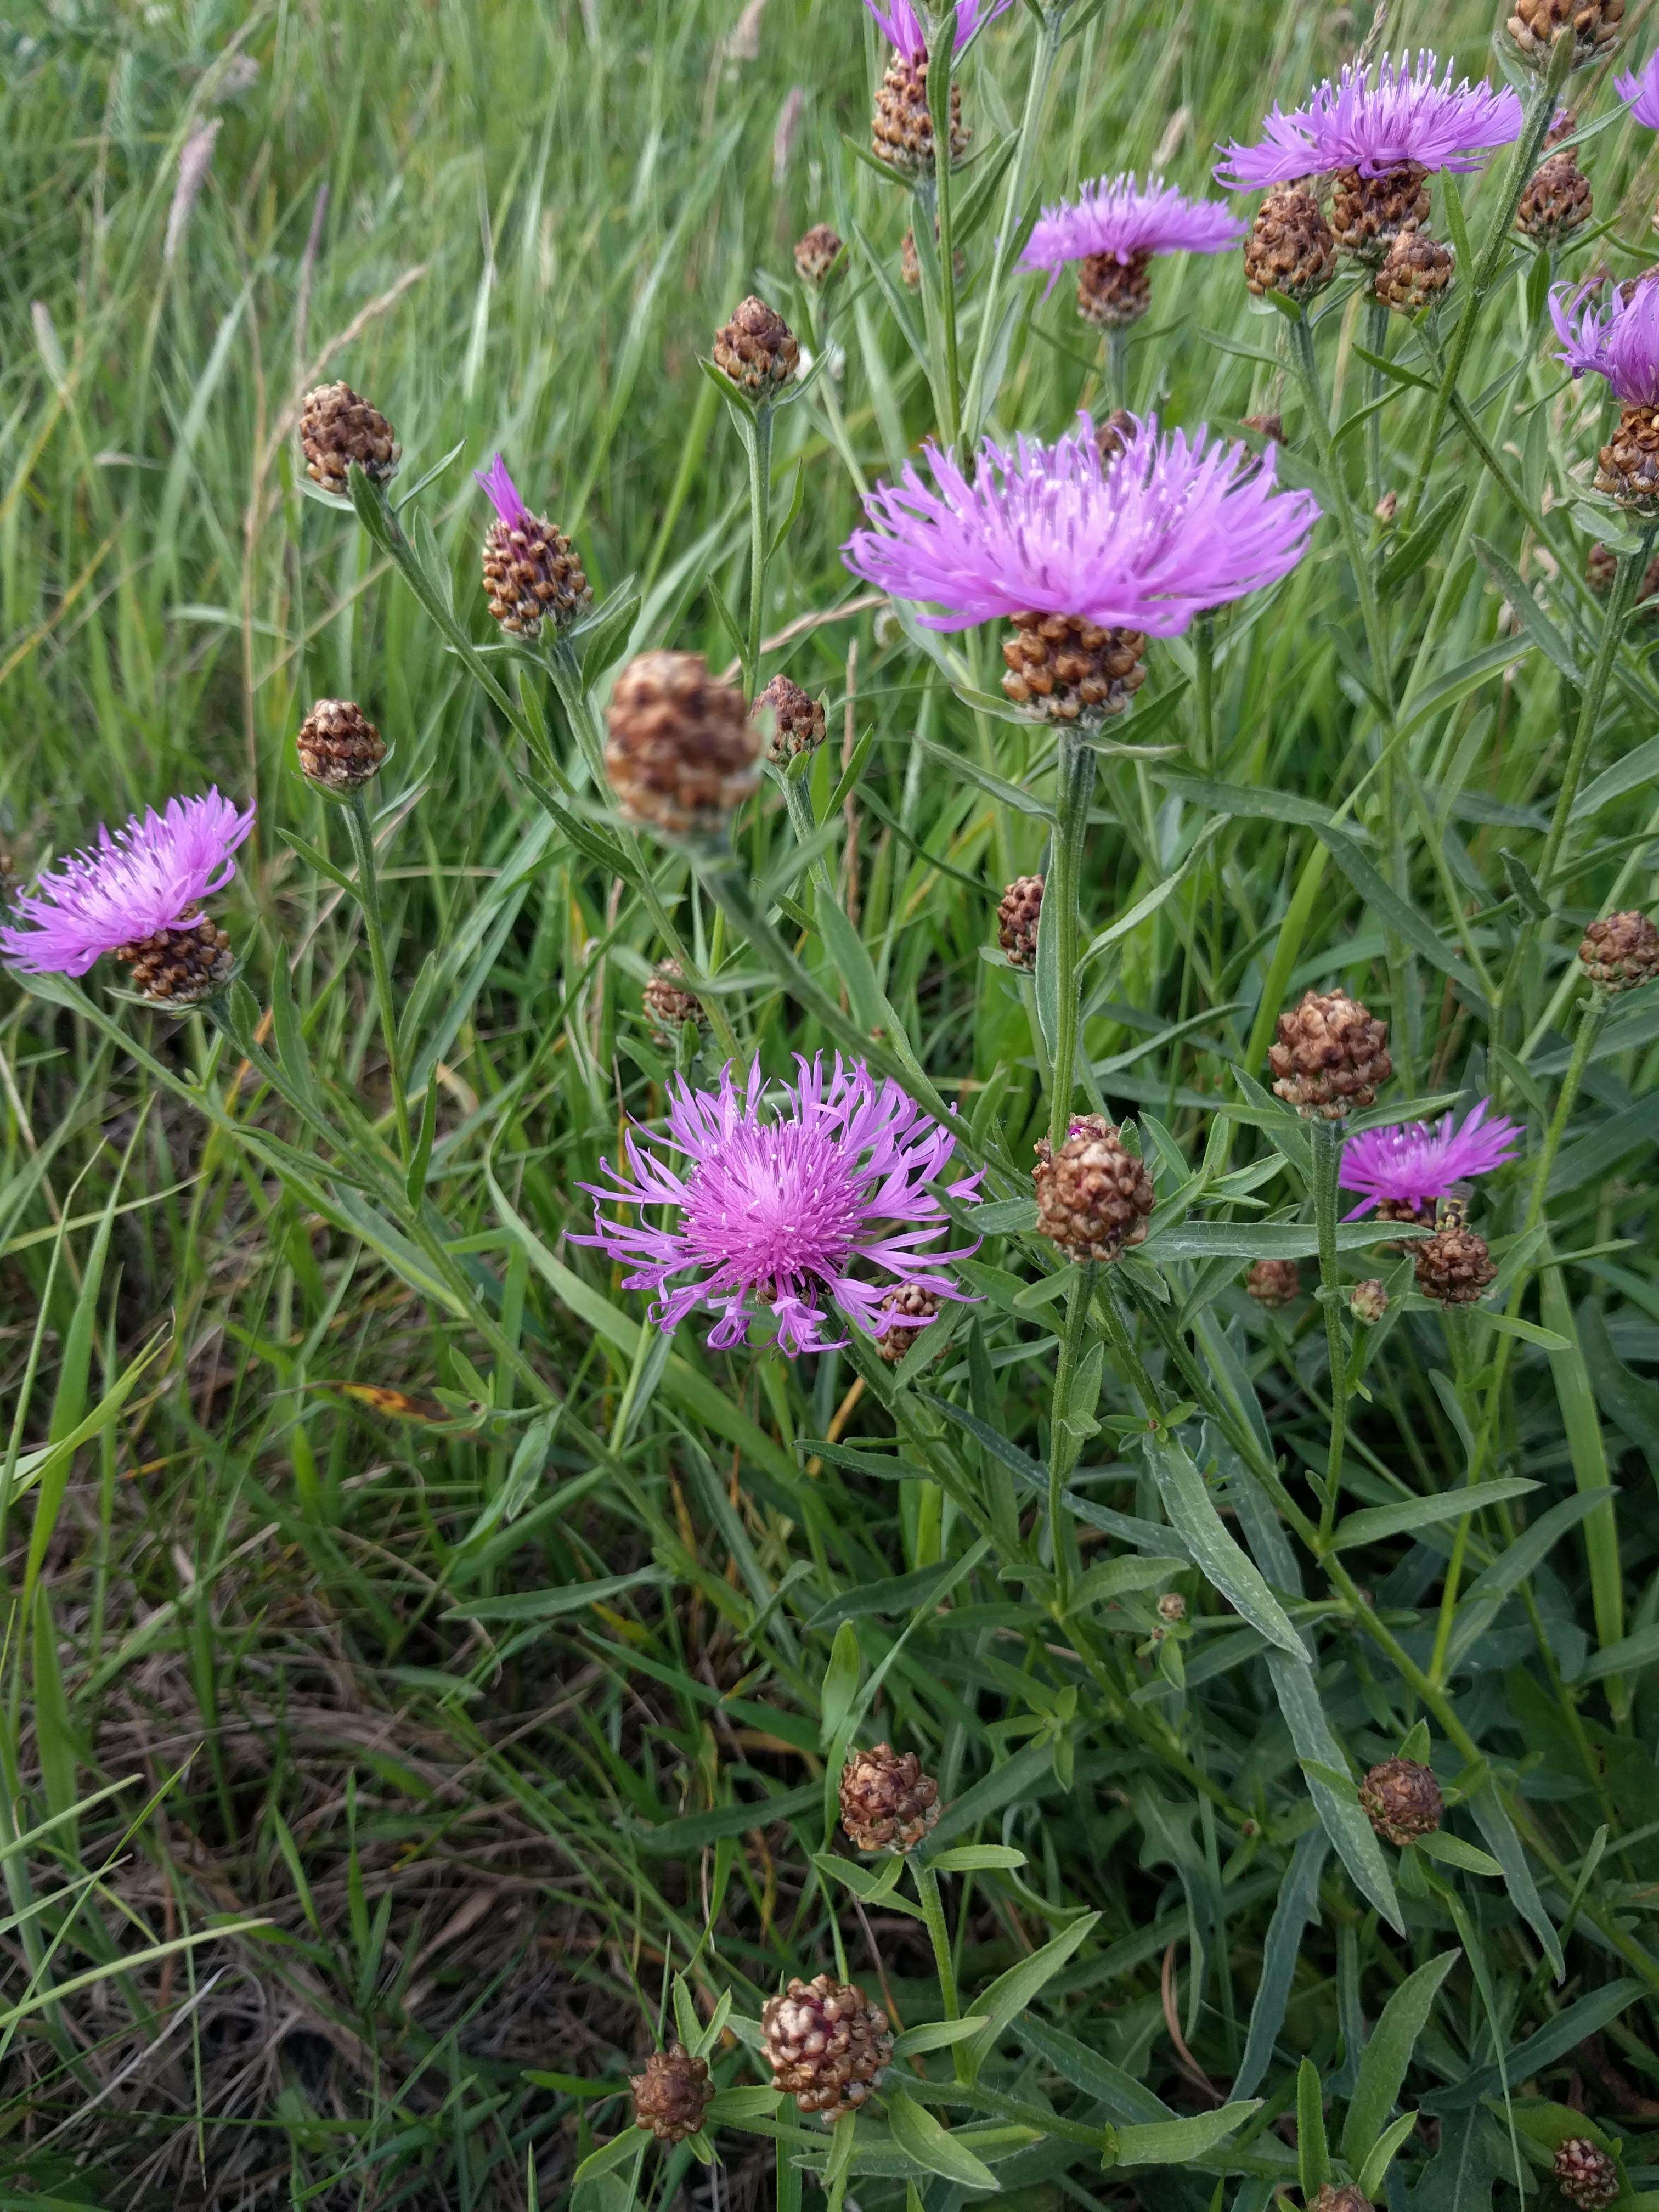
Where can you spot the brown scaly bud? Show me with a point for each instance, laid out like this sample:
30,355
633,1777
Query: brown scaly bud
1627,466
1113,435
1601,569
1335,2197
1017,922
339,748
669,1006
826,2047
1592,25
1557,202
1291,248
1369,213
533,574
908,1303
887,1802
1063,669
1095,1199
179,968
797,719
1113,294
1565,123
1620,952
1401,1800
1386,508
910,261
336,428
1414,274
1454,1267
1274,1282
1270,426
672,2094
757,349
1330,1056
902,129
1585,2175
682,753
817,255
1172,1606
1368,1301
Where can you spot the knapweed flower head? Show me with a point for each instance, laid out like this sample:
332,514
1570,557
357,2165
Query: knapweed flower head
1639,90
135,882
900,22
1144,540
782,1199
1120,218
1375,119
1413,1163
1619,340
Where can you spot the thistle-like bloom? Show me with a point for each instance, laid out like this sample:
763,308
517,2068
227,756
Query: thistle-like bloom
148,878
1620,341
1121,218
1412,1163
819,1194
1377,119
1145,541
897,20
1639,90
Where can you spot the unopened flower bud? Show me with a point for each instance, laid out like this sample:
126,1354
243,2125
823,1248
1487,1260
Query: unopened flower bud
340,748
826,2046
1270,426
1454,1267
1172,1606
1274,1282
1557,202
1414,273
1584,2173
1095,1199
1335,2196
1387,507
757,349
1017,917
1592,25
902,129
338,428
1368,1301
817,255
887,1802
1291,248
907,1311
682,753
1620,952
1330,1056
669,1006
797,719
672,2094
910,260
1401,1800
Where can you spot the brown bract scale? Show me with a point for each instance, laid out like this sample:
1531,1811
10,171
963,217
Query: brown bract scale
757,349
1330,1055
1368,1301
1291,248
1454,1267
682,753
1113,294
910,261
1095,1199
1584,2173
1401,1800
1620,952
1592,25
1565,123
887,1802
816,253
895,1340
1017,917
1112,436
1369,213
1415,272
669,1006
180,967
1172,1606
826,2046
1601,570
1335,2197
1557,202
672,2094
1274,1282
1063,669
797,719
1627,466
532,574
339,748
338,428
902,129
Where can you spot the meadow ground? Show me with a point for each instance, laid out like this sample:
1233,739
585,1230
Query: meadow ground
426,1685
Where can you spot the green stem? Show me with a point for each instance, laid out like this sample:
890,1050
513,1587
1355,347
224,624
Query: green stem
1301,351
1204,691
1062,1440
1117,366
1631,567
932,1911
1077,783
1376,340
758,438
368,888
1327,1161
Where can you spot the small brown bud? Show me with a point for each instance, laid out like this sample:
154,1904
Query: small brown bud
1627,466
910,260
1368,1301
1172,1606
1414,273
757,349
1369,213
339,748
902,130
1270,426
1113,435
178,968
672,2094
1063,668
1387,507
1113,294
1620,952
1587,2177
1557,202
682,753
1274,1282
669,1006
916,1305
1592,25
817,255
1330,1056
1454,1267
887,1802
1017,917
797,719
1095,1199
1401,1800
1565,123
1334,2197
1291,248
336,428
826,2047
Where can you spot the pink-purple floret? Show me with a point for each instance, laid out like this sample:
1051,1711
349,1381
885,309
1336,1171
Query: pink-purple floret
1414,1164
1619,340
1639,90
899,22
503,493
151,875
1375,120
781,1199
1170,527
1121,217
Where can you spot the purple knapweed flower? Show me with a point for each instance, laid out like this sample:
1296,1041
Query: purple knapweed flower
1118,217
1375,120
1144,541
819,1192
898,21
503,493
150,876
1411,1163
1620,341
1639,90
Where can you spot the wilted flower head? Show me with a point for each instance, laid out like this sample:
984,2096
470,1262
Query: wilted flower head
1639,90
148,877
1412,1163
899,21
1146,540
819,1194
1375,119
1620,341
1117,217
